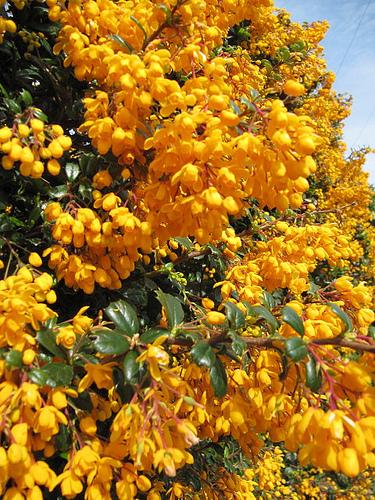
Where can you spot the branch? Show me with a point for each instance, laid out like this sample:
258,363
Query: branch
338,341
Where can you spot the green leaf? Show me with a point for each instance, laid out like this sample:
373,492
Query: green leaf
167,12
40,115
172,307
239,345
219,378
235,316
123,316
290,317
267,65
235,108
12,105
5,223
297,46
124,44
63,439
132,368
284,54
268,301
72,171
54,374
203,354
348,326
14,358
139,26
26,97
47,338
17,222
85,189
149,336
296,349
83,401
262,312
313,375
58,191
38,377
110,342
34,215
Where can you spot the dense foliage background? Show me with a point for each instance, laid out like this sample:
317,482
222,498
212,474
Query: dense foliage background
186,304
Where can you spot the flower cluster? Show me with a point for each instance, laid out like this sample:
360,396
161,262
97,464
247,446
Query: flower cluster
33,145
22,304
106,244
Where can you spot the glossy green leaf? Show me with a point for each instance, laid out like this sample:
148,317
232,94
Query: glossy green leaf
268,301
295,349
219,378
123,43
313,374
149,336
203,354
58,191
267,65
38,376
110,342
132,368
54,374
63,438
167,12
47,338
26,97
235,316
123,316
262,312
40,115
239,345
12,105
14,358
72,171
139,26
348,326
290,317
83,401
172,307
185,242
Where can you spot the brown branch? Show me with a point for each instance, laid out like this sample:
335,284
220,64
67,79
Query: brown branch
337,341
342,342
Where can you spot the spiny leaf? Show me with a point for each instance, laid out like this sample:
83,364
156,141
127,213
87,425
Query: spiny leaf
313,375
219,378
262,312
132,368
172,307
110,342
235,316
54,374
290,317
123,316
123,43
203,354
139,26
348,326
149,336
295,348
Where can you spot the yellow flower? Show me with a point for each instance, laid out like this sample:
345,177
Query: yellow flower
348,462
215,318
88,425
66,337
101,375
293,88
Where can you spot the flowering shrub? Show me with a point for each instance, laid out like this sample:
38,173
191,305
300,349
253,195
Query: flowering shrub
186,303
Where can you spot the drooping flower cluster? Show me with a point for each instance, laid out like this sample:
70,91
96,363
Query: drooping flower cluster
32,145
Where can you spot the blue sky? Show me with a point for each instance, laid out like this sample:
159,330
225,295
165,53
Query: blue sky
350,53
